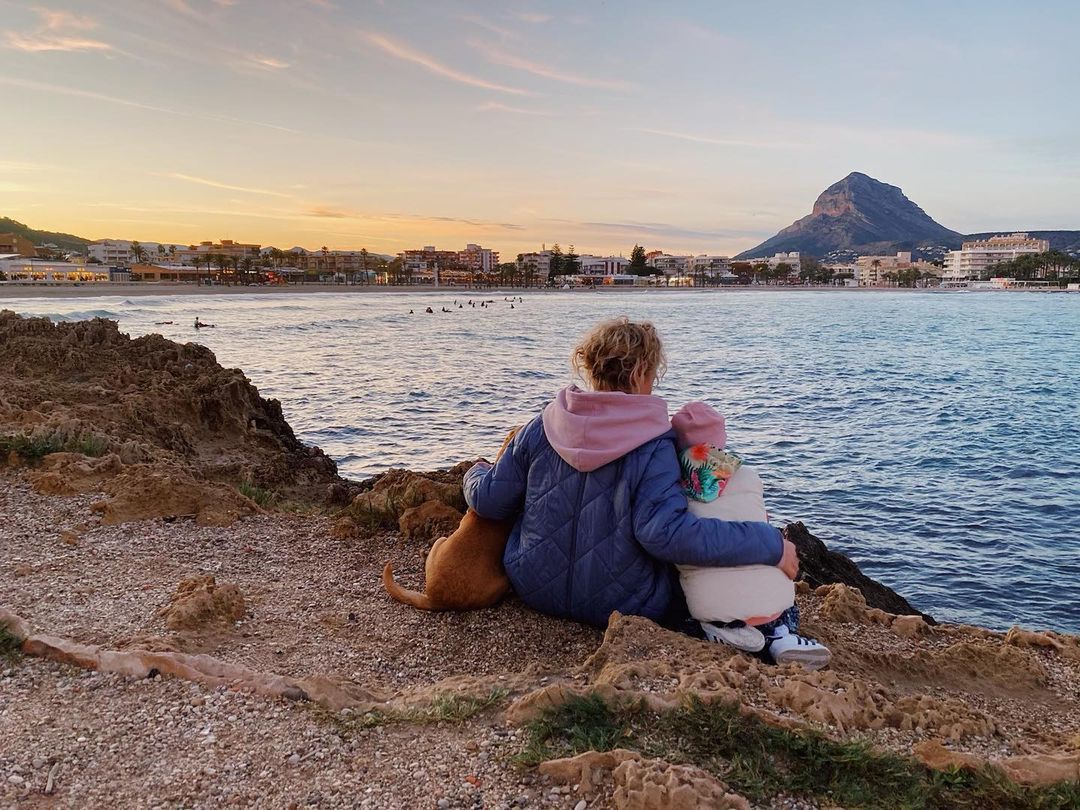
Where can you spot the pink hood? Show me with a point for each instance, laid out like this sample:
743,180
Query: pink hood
589,429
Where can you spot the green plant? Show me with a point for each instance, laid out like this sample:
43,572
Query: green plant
89,445
10,646
761,761
30,449
444,708
263,497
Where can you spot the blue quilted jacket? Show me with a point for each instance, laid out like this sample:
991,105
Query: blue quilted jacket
588,543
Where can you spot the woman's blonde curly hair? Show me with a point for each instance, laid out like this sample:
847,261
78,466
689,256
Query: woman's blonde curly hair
620,355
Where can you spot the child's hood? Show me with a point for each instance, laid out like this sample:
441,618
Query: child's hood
589,429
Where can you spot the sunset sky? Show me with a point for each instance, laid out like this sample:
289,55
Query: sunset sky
684,126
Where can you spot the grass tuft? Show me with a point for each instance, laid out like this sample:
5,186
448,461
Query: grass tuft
10,646
761,761
93,446
34,449
444,708
263,497
30,449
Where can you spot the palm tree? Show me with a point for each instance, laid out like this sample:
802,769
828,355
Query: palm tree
876,264
222,262
139,252
248,264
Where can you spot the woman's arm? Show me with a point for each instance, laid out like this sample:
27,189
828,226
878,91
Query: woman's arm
667,530
497,491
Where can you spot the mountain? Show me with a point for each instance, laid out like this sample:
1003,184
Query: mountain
859,214
64,241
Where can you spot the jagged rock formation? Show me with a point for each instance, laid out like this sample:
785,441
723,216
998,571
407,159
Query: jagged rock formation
820,566
862,214
165,418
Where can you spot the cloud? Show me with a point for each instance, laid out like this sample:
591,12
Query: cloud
495,106
58,19
38,43
407,54
61,90
267,62
758,143
215,184
660,229
324,212
537,69
55,33
487,25
533,18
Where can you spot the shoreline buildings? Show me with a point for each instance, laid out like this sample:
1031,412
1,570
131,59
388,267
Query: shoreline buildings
451,266
976,257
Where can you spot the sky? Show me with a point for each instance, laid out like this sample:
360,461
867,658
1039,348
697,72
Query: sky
689,127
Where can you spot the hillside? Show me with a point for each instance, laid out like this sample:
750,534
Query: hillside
861,214
64,241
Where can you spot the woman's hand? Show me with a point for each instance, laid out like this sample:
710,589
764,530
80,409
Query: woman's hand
789,563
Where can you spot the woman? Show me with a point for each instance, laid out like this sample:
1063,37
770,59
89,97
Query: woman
595,483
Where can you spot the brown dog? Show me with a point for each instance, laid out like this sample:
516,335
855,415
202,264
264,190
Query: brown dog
463,571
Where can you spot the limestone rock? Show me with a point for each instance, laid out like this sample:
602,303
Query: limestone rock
822,566
200,601
429,520
652,784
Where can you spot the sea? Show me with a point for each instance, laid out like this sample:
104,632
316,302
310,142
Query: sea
934,437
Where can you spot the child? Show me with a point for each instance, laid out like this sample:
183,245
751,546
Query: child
748,607
593,483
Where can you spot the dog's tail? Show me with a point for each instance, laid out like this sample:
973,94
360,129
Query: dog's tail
403,595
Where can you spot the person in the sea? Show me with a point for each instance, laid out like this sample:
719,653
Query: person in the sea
594,484
749,607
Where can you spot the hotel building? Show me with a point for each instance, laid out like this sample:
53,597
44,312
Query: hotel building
974,258
455,266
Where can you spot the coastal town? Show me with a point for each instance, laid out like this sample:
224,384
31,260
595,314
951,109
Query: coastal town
1004,261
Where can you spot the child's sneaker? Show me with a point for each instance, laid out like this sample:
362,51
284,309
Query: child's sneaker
786,647
738,635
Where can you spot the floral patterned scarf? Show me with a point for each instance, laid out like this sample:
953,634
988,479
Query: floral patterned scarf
706,470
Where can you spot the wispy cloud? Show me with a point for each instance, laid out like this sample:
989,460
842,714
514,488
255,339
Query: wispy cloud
60,90
487,25
266,62
659,229
533,18
401,51
202,181
55,33
325,212
510,60
754,143
58,19
495,106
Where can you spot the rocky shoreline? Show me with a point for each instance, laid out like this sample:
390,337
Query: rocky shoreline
170,640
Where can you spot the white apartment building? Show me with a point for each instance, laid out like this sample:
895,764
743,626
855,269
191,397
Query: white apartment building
718,267
671,265
791,259
873,269
117,252
974,258
538,262
594,266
